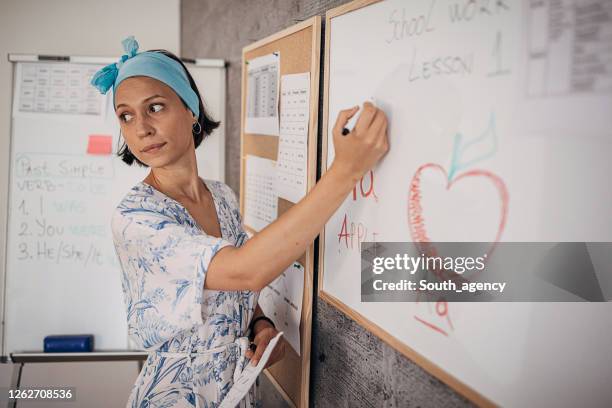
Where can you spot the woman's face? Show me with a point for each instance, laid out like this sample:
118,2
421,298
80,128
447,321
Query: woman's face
155,123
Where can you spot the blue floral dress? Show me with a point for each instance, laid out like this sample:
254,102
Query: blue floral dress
195,336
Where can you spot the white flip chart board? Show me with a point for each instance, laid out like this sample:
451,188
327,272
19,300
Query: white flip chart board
500,130
62,275
210,78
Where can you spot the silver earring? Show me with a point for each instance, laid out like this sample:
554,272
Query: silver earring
199,128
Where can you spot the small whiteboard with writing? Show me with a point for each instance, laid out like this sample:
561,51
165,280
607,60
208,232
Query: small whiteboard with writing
62,275
500,130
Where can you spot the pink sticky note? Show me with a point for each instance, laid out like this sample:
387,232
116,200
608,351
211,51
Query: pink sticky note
100,144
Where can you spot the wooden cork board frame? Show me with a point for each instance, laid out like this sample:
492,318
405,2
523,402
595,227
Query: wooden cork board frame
401,347
300,48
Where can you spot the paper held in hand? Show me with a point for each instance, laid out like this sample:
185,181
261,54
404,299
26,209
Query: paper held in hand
248,377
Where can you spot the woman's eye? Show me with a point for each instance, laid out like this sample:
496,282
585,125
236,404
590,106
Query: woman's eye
161,106
155,107
123,117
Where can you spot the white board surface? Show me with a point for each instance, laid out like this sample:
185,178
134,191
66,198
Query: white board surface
500,129
62,275
209,76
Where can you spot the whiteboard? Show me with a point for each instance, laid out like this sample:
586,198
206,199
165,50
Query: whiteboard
500,129
62,275
209,76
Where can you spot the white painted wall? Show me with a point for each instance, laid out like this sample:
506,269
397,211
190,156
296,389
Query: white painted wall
75,27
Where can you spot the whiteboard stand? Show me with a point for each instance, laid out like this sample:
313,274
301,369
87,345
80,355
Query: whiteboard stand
61,134
19,359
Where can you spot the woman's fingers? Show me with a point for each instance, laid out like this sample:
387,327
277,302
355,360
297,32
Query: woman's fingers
343,117
261,346
385,139
277,354
368,142
368,114
378,126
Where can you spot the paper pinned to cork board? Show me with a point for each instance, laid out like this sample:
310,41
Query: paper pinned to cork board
262,95
292,162
282,299
261,200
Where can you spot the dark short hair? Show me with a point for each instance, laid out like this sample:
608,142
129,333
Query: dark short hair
207,123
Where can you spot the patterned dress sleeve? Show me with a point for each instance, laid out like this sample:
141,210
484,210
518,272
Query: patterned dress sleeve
164,264
234,211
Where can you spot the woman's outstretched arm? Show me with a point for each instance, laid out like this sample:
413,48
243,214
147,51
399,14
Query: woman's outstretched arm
265,256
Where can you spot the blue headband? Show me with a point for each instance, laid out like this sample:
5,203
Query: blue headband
151,64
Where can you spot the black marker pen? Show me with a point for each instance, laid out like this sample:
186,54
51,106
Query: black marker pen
346,131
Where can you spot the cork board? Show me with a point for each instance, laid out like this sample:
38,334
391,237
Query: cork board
299,48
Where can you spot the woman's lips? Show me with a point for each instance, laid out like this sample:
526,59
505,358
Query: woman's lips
153,148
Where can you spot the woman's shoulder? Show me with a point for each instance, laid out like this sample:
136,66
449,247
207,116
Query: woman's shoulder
143,205
224,191
139,197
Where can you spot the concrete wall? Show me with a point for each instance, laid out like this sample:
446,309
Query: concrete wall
75,27
350,366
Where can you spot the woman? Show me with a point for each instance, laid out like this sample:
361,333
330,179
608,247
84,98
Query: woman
190,277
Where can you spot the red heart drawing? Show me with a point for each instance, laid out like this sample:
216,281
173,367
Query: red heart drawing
416,220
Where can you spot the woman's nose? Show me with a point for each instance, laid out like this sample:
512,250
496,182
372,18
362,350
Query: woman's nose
143,126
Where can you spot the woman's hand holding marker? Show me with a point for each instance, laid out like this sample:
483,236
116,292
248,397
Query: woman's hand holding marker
359,150
278,245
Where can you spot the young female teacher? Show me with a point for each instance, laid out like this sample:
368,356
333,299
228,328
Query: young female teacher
190,277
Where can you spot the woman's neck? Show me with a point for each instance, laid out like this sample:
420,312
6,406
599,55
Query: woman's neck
180,181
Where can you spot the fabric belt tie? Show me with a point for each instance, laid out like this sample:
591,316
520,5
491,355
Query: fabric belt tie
243,346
